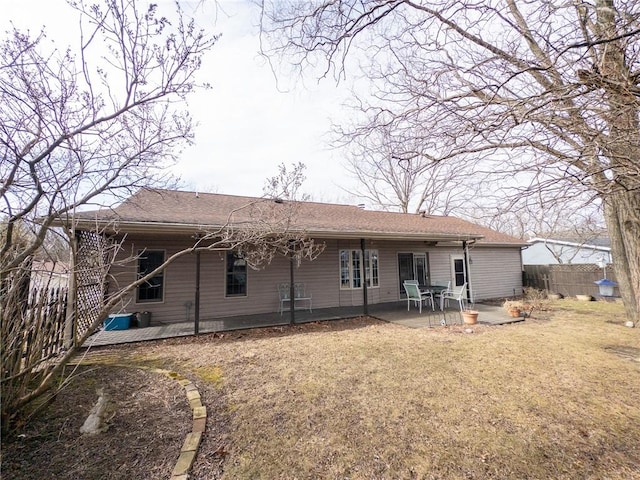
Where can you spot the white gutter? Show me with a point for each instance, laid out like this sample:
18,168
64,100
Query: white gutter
569,244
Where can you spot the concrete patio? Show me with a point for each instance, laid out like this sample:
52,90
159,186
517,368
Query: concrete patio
395,312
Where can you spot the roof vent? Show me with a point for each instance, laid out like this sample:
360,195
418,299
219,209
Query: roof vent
361,206
197,195
423,213
278,200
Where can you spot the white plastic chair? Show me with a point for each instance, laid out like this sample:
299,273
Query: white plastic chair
458,293
414,294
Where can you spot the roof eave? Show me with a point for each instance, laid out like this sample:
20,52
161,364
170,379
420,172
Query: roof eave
136,227
501,244
374,235
564,243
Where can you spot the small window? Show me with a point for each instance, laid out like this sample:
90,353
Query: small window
153,289
459,273
236,277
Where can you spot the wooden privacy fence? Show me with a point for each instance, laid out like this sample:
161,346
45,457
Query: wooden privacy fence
568,280
45,314
33,330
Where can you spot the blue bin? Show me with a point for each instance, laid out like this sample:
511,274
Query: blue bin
118,321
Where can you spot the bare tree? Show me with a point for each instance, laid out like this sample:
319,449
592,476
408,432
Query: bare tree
546,92
395,173
82,126
87,130
75,129
286,184
526,216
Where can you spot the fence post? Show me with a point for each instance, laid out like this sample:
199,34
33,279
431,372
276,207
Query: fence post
69,323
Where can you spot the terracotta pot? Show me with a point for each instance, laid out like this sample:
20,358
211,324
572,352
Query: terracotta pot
470,317
515,312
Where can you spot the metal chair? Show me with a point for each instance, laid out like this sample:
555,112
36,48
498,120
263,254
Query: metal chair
299,293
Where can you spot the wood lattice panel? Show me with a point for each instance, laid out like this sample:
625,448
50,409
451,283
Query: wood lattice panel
91,269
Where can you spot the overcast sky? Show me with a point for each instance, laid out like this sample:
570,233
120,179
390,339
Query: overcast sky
246,126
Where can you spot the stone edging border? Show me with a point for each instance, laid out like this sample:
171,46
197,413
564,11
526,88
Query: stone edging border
192,441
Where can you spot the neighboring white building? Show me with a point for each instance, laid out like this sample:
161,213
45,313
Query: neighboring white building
49,274
548,251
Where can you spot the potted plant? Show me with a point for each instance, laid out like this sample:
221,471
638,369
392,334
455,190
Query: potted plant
470,317
514,308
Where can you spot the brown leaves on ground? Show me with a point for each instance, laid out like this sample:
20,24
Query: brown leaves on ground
148,422
362,399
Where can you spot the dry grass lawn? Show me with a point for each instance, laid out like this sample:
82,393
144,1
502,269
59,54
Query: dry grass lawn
361,399
541,399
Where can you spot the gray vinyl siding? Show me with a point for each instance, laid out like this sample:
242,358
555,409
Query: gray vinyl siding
495,272
441,262
321,278
179,279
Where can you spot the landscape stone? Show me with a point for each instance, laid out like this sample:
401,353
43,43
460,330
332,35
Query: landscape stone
199,425
185,460
192,441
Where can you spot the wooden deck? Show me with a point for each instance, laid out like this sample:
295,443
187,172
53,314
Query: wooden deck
395,312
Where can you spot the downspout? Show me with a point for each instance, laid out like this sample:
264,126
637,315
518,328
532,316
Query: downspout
467,269
196,312
365,304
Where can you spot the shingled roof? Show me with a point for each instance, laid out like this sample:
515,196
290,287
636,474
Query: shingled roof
171,211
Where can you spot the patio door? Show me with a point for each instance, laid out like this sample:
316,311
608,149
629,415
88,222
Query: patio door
421,268
405,269
413,266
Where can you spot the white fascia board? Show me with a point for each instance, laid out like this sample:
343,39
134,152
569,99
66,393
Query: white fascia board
569,244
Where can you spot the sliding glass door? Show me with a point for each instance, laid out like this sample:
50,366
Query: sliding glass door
413,266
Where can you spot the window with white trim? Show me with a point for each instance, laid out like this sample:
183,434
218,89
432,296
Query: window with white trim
351,268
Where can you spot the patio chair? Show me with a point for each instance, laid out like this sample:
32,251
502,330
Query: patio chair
414,294
299,292
458,293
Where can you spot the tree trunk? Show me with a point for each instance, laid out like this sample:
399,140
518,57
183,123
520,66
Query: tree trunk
622,214
621,146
